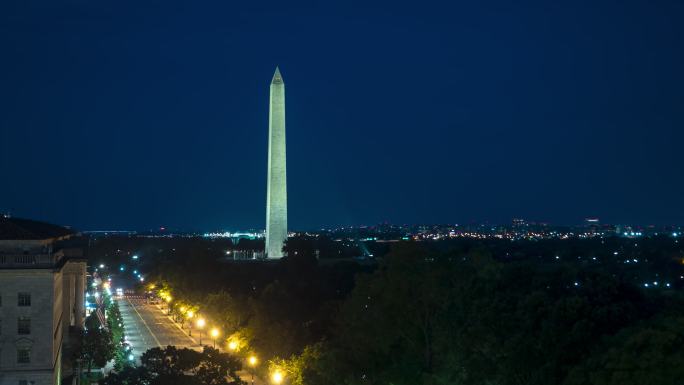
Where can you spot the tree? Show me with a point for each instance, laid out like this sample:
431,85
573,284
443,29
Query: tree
464,318
648,353
129,375
300,369
97,347
223,308
173,366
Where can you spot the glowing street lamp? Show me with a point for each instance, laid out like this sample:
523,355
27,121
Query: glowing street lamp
190,314
232,345
200,325
179,316
252,360
168,299
214,334
277,377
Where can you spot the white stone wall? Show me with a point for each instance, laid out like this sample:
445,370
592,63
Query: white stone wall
41,284
276,194
50,312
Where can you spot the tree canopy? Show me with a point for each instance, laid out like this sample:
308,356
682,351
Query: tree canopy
173,366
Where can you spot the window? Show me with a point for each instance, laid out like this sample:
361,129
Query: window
24,299
23,355
24,325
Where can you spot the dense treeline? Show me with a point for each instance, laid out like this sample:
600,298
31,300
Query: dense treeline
454,318
457,312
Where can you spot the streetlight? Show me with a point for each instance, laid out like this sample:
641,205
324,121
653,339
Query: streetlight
200,324
182,311
277,377
232,345
190,315
252,360
214,334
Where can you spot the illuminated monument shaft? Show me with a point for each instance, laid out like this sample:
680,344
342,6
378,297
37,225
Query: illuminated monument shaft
276,194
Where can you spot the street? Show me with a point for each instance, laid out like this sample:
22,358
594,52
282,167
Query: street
146,326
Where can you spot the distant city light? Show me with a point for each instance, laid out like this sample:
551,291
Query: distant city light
135,257
102,266
228,234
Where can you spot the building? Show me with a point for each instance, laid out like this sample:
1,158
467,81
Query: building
42,286
276,194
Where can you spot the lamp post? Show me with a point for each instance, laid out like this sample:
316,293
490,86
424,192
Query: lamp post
190,315
252,360
179,317
214,333
200,324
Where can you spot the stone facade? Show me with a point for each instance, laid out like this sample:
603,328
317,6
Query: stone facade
276,194
42,295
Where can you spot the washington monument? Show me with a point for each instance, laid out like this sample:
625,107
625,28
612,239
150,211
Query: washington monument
276,191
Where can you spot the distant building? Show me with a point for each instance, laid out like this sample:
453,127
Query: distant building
593,224
519,222
42,286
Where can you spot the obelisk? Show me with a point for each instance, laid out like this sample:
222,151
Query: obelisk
276,190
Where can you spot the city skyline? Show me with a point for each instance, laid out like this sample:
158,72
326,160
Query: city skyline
456,114
456,193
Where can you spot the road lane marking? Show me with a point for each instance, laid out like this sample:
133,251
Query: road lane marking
164,316
144,323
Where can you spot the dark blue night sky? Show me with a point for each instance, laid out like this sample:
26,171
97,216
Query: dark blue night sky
137,114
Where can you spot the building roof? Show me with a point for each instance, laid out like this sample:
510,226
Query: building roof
26,229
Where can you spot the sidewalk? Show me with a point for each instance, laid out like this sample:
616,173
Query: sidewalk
244,374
